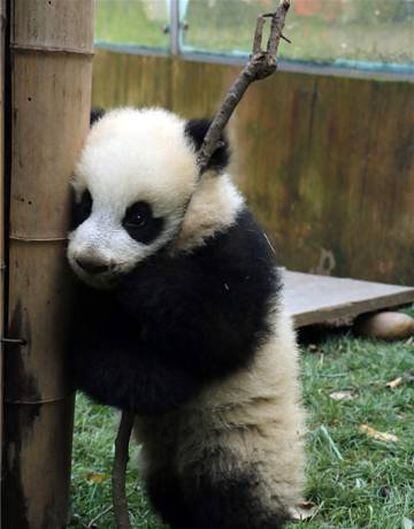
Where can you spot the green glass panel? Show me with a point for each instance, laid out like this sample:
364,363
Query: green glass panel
132,22
368,32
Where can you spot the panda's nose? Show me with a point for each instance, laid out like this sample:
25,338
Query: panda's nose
92,266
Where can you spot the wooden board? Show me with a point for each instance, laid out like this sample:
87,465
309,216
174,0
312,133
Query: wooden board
313,299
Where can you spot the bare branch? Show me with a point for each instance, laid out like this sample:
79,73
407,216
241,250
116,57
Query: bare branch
258,34
286,39
119,469
276,27
261,64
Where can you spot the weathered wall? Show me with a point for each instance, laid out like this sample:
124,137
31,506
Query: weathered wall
327,162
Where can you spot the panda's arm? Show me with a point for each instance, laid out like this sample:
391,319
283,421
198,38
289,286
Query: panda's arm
114,361
173,325
206,312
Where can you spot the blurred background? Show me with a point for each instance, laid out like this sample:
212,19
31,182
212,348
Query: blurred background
324,149
357,33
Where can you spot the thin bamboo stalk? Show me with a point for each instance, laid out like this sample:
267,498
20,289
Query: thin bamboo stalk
50,46
2,226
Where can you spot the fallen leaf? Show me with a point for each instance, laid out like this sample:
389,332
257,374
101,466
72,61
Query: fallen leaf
96,478
304,510
346,394
394,383
405,378
379,436
360,483
407,523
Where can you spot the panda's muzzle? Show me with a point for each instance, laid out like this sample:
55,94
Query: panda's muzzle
92,266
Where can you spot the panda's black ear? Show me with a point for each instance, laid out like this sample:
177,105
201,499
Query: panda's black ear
196,129
96,114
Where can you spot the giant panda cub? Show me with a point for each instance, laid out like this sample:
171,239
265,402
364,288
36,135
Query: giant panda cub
180,318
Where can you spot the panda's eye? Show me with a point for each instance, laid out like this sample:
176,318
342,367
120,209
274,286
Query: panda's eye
137,215
82,209
140,223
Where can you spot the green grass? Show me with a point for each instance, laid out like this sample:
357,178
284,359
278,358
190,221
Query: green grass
93,452
372,487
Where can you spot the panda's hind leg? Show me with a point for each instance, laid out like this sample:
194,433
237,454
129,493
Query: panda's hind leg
233,503
166,497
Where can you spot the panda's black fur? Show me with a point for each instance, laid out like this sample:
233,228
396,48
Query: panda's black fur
229,504
171,328
176,323
196,129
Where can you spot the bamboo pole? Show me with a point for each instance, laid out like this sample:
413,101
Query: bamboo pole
2,226
51,50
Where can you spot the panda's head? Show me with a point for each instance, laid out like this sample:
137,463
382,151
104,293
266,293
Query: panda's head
132,185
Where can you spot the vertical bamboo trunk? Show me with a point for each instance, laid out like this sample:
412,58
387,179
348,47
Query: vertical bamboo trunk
2,227
51,49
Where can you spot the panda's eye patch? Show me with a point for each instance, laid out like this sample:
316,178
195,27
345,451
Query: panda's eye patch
140,224
137,215
82,209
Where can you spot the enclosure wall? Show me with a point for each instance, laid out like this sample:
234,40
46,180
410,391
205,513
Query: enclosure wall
50,78
327,163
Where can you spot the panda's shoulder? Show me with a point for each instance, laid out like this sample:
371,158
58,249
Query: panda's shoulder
243,246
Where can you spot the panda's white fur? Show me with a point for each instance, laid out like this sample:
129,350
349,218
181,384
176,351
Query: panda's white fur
241,434
213,208
111,155
256,413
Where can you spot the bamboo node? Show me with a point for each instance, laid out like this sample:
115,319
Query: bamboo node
23,238
15,341
30,48
51,400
